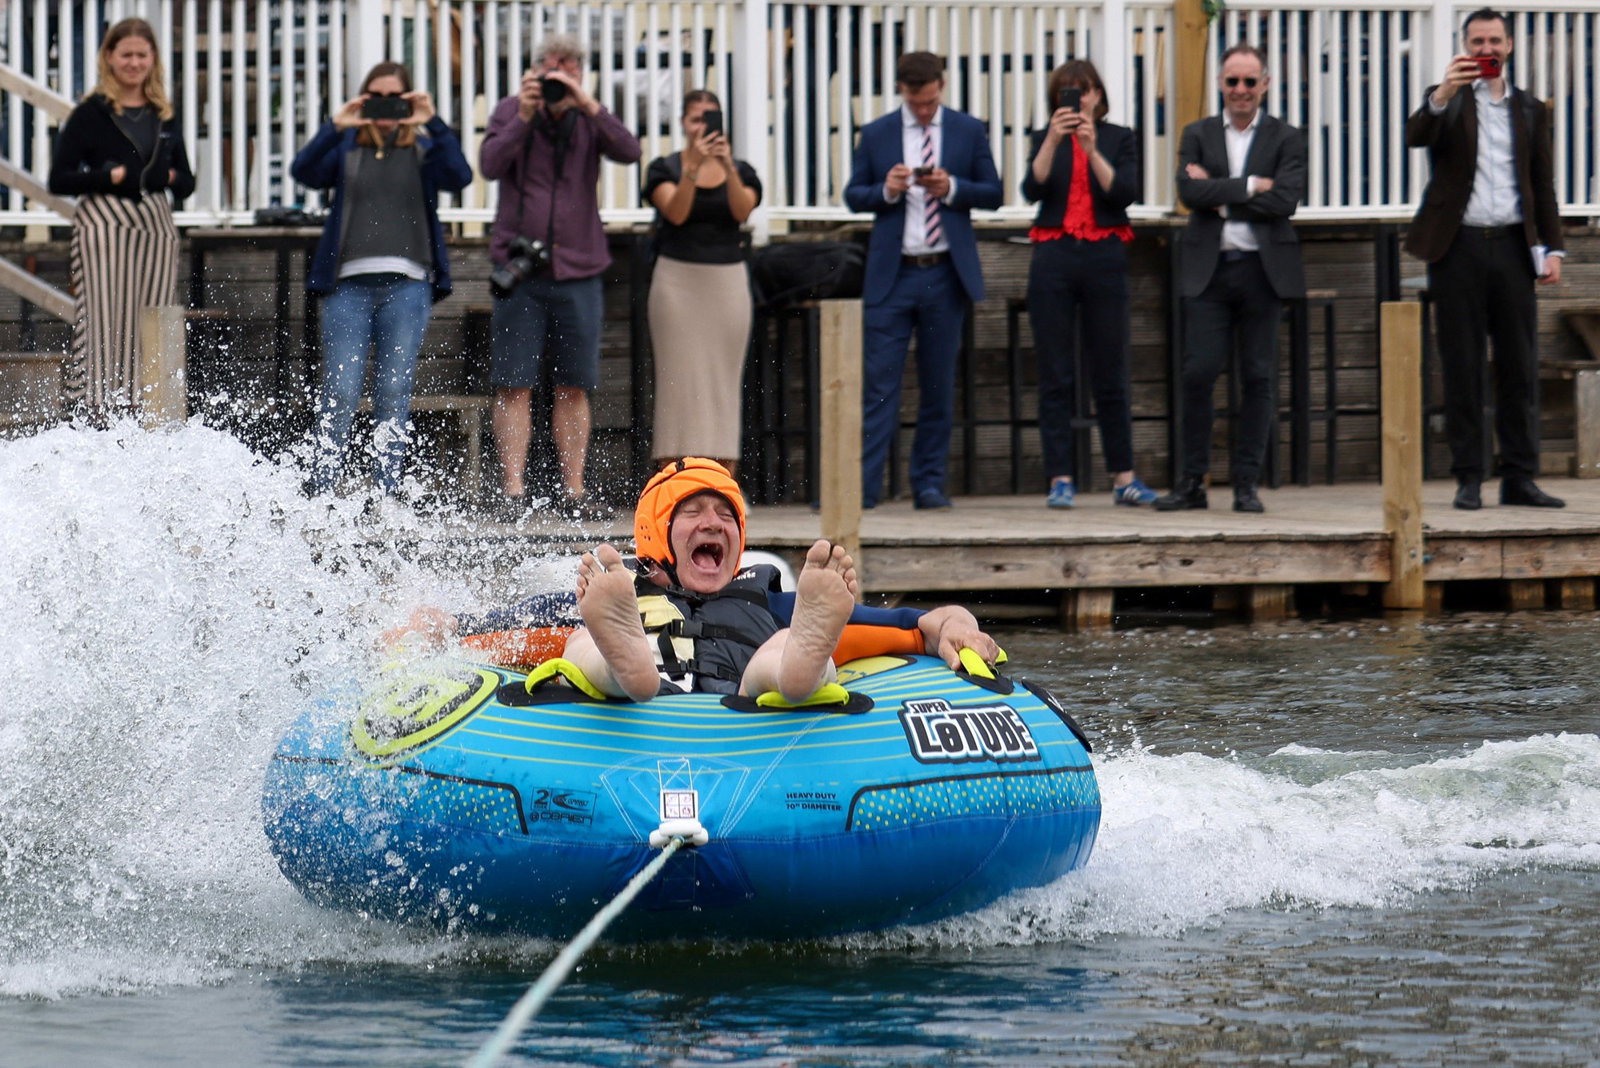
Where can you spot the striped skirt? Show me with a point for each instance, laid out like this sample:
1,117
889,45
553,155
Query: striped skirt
124,259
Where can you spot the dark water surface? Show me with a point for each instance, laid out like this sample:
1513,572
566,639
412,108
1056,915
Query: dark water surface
1323,843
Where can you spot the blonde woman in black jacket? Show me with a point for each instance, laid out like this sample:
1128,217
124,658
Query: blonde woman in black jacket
121,153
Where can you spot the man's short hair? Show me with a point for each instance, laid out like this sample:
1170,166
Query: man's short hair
1246,49
917,69
1485,14
559,44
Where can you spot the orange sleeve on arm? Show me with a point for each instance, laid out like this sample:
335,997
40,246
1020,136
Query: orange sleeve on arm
865,639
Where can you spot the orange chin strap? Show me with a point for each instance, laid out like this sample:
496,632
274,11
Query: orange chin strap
670,487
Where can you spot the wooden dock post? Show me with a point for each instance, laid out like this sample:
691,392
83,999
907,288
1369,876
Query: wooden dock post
163,389
840,460
1400,357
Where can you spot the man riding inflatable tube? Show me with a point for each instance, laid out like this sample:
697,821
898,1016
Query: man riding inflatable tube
692,620
689,530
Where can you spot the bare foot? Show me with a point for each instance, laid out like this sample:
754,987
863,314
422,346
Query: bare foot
610,611
824,596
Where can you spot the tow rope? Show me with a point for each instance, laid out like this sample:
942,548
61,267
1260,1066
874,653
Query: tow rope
672,835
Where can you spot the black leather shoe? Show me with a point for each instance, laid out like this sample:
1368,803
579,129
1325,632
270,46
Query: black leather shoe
1190,492
1245,499
932,500
1468,497
1522,491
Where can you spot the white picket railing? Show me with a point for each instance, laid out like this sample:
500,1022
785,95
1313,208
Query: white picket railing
254,79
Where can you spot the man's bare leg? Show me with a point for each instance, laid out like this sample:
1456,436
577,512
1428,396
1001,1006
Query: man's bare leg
569,424
612,649
799,660
512,421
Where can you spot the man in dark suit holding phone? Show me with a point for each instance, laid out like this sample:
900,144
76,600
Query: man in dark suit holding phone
921,170
1489,207
1242,175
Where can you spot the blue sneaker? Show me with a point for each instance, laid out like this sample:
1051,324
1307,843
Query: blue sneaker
1133,494
1061,494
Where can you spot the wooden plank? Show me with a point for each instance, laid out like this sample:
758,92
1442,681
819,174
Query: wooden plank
1209,563
1087,609
162,392
1524,594
840,459
1189,62
35,290
1401,354
1266,602
1586,419
1551,556
1575,593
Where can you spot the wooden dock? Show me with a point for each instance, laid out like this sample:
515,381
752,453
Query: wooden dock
1326,541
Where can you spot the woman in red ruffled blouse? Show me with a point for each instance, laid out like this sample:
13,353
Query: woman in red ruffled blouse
1085,173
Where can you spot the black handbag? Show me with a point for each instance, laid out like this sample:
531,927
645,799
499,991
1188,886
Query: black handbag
784,274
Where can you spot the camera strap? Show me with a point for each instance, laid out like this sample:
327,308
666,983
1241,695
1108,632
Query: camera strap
561,134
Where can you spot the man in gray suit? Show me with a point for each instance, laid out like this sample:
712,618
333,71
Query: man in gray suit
1241,174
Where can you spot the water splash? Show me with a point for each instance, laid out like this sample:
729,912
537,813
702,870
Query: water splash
168,603
1187,838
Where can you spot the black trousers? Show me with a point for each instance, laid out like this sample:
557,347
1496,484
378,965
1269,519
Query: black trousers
1482,289
1071,281
1238,300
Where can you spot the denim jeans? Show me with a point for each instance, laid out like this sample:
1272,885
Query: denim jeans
388,313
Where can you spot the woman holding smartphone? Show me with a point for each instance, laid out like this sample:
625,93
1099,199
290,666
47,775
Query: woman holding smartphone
121,153
380,263
700,292
1084,174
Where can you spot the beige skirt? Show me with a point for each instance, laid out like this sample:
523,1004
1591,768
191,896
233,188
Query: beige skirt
124,259
699,331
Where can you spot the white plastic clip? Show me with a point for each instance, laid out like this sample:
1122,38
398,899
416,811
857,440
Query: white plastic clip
690,830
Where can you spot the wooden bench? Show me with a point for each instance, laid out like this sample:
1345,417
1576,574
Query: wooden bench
436,389
1583,399
30,389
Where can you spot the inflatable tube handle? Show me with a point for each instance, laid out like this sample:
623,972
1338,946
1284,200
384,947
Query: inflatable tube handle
973,664
566,669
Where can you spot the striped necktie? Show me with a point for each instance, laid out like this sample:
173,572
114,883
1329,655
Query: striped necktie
930,209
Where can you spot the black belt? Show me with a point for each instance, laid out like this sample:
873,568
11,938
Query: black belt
1234,255
927,259
1494,233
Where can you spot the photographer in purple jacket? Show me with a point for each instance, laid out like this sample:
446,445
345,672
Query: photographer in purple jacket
544,146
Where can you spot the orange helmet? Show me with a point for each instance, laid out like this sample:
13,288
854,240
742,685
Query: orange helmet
670,487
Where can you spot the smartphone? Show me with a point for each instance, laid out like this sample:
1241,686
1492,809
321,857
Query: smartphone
1488,66
1070,96
712,118
386,107
921,172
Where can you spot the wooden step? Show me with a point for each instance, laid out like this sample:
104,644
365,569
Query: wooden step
30,388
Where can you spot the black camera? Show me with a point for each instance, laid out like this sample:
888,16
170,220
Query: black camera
553,90
529,256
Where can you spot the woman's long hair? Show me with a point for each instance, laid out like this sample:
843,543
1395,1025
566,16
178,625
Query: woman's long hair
406,135
155,87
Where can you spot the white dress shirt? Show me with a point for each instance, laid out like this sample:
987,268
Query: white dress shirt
1237,236
914,239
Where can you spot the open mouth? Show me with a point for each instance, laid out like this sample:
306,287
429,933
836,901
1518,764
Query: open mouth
707,555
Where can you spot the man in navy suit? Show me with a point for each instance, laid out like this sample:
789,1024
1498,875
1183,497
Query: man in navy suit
921,170
1241,175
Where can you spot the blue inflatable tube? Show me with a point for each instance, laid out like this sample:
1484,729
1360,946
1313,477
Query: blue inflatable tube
453,795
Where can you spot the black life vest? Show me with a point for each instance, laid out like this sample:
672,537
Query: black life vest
703,642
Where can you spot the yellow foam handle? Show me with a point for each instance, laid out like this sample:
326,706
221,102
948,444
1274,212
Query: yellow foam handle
973,664
830,694
566,669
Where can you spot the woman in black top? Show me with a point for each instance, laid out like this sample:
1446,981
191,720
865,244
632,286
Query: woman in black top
121,153
700,293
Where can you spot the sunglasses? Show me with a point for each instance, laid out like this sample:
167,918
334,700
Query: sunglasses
1233,83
